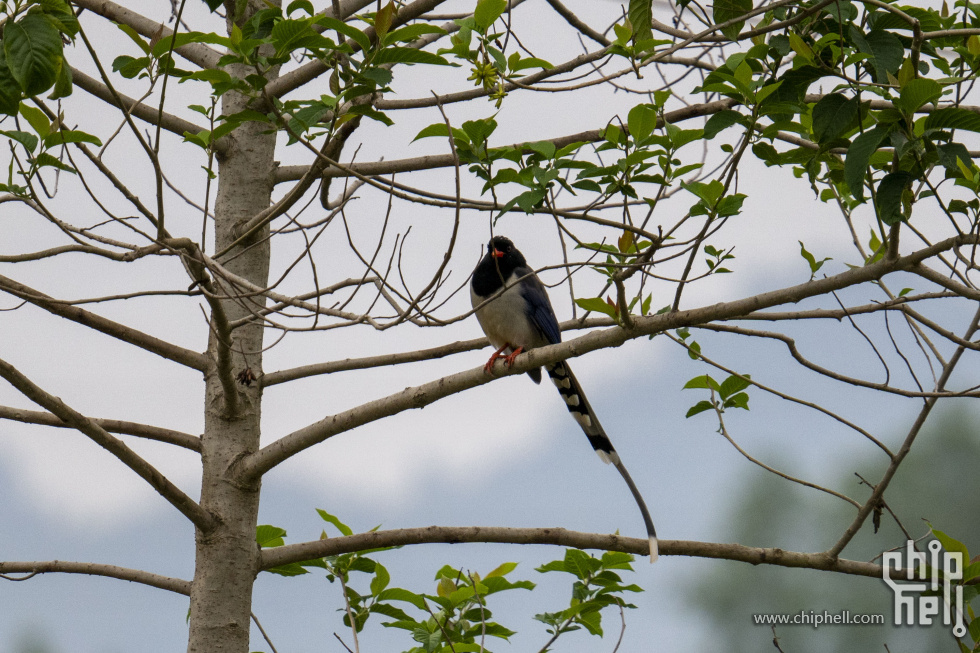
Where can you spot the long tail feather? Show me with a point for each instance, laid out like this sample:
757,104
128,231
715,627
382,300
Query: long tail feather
580,409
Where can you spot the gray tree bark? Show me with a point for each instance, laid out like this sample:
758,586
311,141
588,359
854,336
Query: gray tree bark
226,560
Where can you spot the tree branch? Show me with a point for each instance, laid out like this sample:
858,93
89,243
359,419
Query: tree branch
379,168
308,72
94,569
197,53
561,537
283,376
167,350
187,506
920,420
152,115
253,466
144,431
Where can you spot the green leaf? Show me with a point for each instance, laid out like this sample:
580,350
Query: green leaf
800,47
399,594
10,92
292,569
347,30
503,569
734,384
699,407
380,580
681,137
953,118
694,350
859,155
710,193
970,571
46,160
63,86
641,17
617,560
741,400
885,49
370,112
71,136
814,264
488,11
412,32
544,148
519,64
180,39
28,140
435,129
33,49
730,204
641,120
383,19
766,91
269,536
397,54
341,526
306,5
951,545
726,10
889,196
720,121
597,305
129,67
623,33
554,565
950,153
287,35
703,381
142,43
579,563
36,119
833,115
529,200
916,93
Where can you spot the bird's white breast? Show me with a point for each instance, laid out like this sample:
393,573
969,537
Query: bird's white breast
504,318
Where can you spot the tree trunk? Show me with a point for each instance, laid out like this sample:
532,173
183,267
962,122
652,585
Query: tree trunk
227,557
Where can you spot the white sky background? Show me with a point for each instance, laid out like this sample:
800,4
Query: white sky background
503,454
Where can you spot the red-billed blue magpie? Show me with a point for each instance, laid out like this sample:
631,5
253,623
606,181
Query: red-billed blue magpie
514,311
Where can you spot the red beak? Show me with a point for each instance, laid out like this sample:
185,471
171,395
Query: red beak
497,253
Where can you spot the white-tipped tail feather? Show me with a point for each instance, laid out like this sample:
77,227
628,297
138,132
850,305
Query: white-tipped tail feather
654,549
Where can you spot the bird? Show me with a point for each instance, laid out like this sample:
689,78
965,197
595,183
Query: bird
515,313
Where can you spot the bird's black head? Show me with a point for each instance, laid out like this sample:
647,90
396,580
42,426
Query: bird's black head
501,259
502,249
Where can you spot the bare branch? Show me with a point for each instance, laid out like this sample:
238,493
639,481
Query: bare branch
144,431
150,114
380,168
197,53
255,465
173,494
282,376
94,569
290,553
920,420
122,332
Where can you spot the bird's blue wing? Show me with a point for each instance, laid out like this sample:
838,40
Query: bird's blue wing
538,306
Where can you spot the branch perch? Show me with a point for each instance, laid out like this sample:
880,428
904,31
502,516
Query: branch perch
187,506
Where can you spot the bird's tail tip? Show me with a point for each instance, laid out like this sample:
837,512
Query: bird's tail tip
654,549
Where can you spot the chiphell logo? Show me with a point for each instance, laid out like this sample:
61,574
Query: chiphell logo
947,600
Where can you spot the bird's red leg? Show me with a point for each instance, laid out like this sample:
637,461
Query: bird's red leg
488,368
510,358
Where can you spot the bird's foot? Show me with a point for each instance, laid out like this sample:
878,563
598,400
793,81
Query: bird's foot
488,368
510,357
